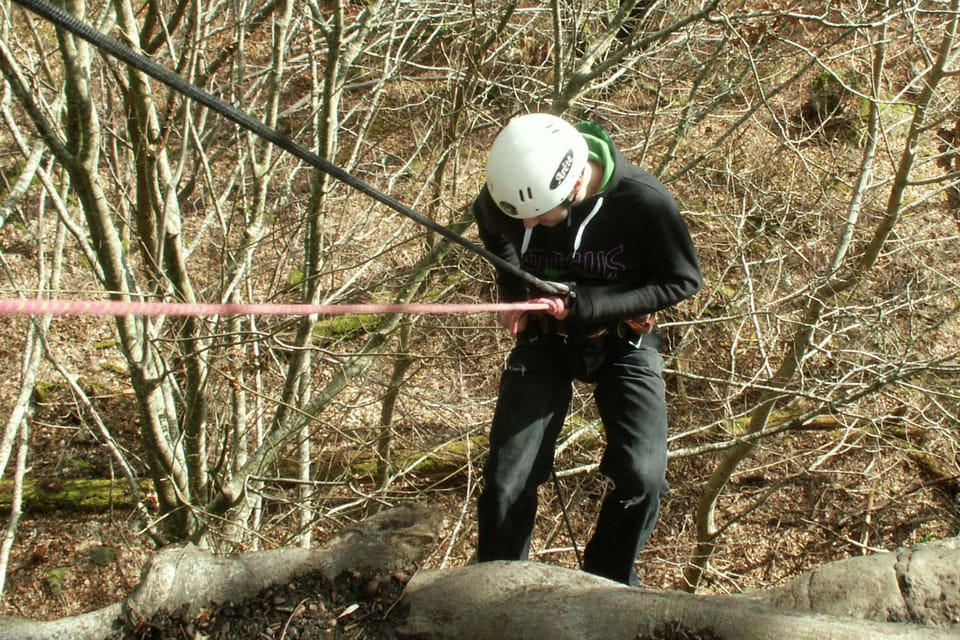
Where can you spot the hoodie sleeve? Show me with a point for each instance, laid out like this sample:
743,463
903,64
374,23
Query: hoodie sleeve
671,269
494,233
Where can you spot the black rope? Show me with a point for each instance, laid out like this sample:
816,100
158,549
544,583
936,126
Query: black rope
63,19
566,519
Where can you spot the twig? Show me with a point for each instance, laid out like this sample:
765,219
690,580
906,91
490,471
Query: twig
297,610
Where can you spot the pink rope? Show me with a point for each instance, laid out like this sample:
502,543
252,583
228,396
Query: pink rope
35,306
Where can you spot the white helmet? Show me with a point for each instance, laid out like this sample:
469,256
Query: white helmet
534,164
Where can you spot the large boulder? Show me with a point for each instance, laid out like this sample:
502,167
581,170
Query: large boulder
920,585
531,601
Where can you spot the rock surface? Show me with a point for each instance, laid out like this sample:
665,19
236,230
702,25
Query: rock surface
919,585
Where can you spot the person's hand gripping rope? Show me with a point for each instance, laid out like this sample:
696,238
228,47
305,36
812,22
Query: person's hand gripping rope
557,306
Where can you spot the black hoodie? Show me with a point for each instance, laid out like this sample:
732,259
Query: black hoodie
626,250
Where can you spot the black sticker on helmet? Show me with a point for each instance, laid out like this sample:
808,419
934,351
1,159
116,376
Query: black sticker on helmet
563,170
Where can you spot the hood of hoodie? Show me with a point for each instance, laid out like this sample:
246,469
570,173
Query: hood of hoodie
600,149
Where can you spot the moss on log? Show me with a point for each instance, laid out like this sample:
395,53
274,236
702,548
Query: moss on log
75,495
435,464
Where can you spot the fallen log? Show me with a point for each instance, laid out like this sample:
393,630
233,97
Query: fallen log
72,495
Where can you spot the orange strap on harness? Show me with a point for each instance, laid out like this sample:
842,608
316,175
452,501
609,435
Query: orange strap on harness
643,323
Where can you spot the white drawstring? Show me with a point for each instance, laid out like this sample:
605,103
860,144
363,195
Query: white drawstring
583,225
528,231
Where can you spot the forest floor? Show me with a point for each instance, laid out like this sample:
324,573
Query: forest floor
308,607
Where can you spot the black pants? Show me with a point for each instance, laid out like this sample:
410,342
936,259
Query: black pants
535,392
